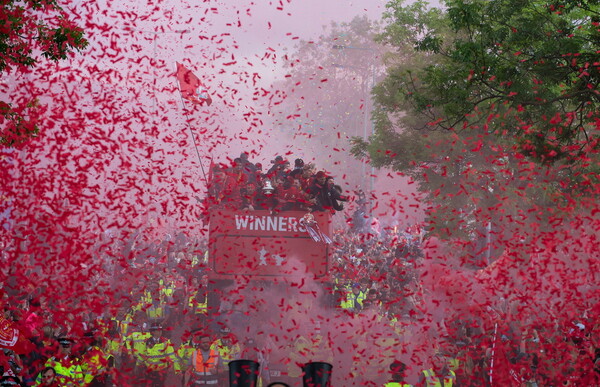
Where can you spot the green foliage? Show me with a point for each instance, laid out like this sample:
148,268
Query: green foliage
327,93
530,59
492,107
27,28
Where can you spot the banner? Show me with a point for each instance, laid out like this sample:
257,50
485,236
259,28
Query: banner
261,244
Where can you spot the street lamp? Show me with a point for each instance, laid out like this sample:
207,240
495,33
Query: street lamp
367,119
366,114
344,47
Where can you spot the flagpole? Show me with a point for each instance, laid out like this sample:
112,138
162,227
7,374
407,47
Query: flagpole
187,120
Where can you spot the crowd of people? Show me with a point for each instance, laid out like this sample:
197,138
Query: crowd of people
244,185
379,276
164,324
377,271
167,335
162,338
169,332
179,328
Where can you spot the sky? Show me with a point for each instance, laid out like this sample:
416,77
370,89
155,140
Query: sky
119,101
237,48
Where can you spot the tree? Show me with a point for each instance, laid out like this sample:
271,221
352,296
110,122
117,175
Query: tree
491,106
328,93
30,29
533,62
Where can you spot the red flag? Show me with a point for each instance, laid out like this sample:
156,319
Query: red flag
191,88
12,338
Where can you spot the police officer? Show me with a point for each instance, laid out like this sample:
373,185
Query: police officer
95,362
158,356
67,368
440,375
398,369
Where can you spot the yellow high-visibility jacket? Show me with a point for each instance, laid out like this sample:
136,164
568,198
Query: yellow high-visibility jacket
159,355
136,344
94,362
68,371
432,380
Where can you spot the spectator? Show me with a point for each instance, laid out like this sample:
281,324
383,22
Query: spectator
373,297
8,381
398,371
11,363
33,319
48,377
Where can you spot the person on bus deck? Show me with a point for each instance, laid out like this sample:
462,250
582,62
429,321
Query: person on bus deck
334,194
259,174
307,175
278,169
216,185
318,191
235,178
248,196
303,201
248,168
291,197
298,168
